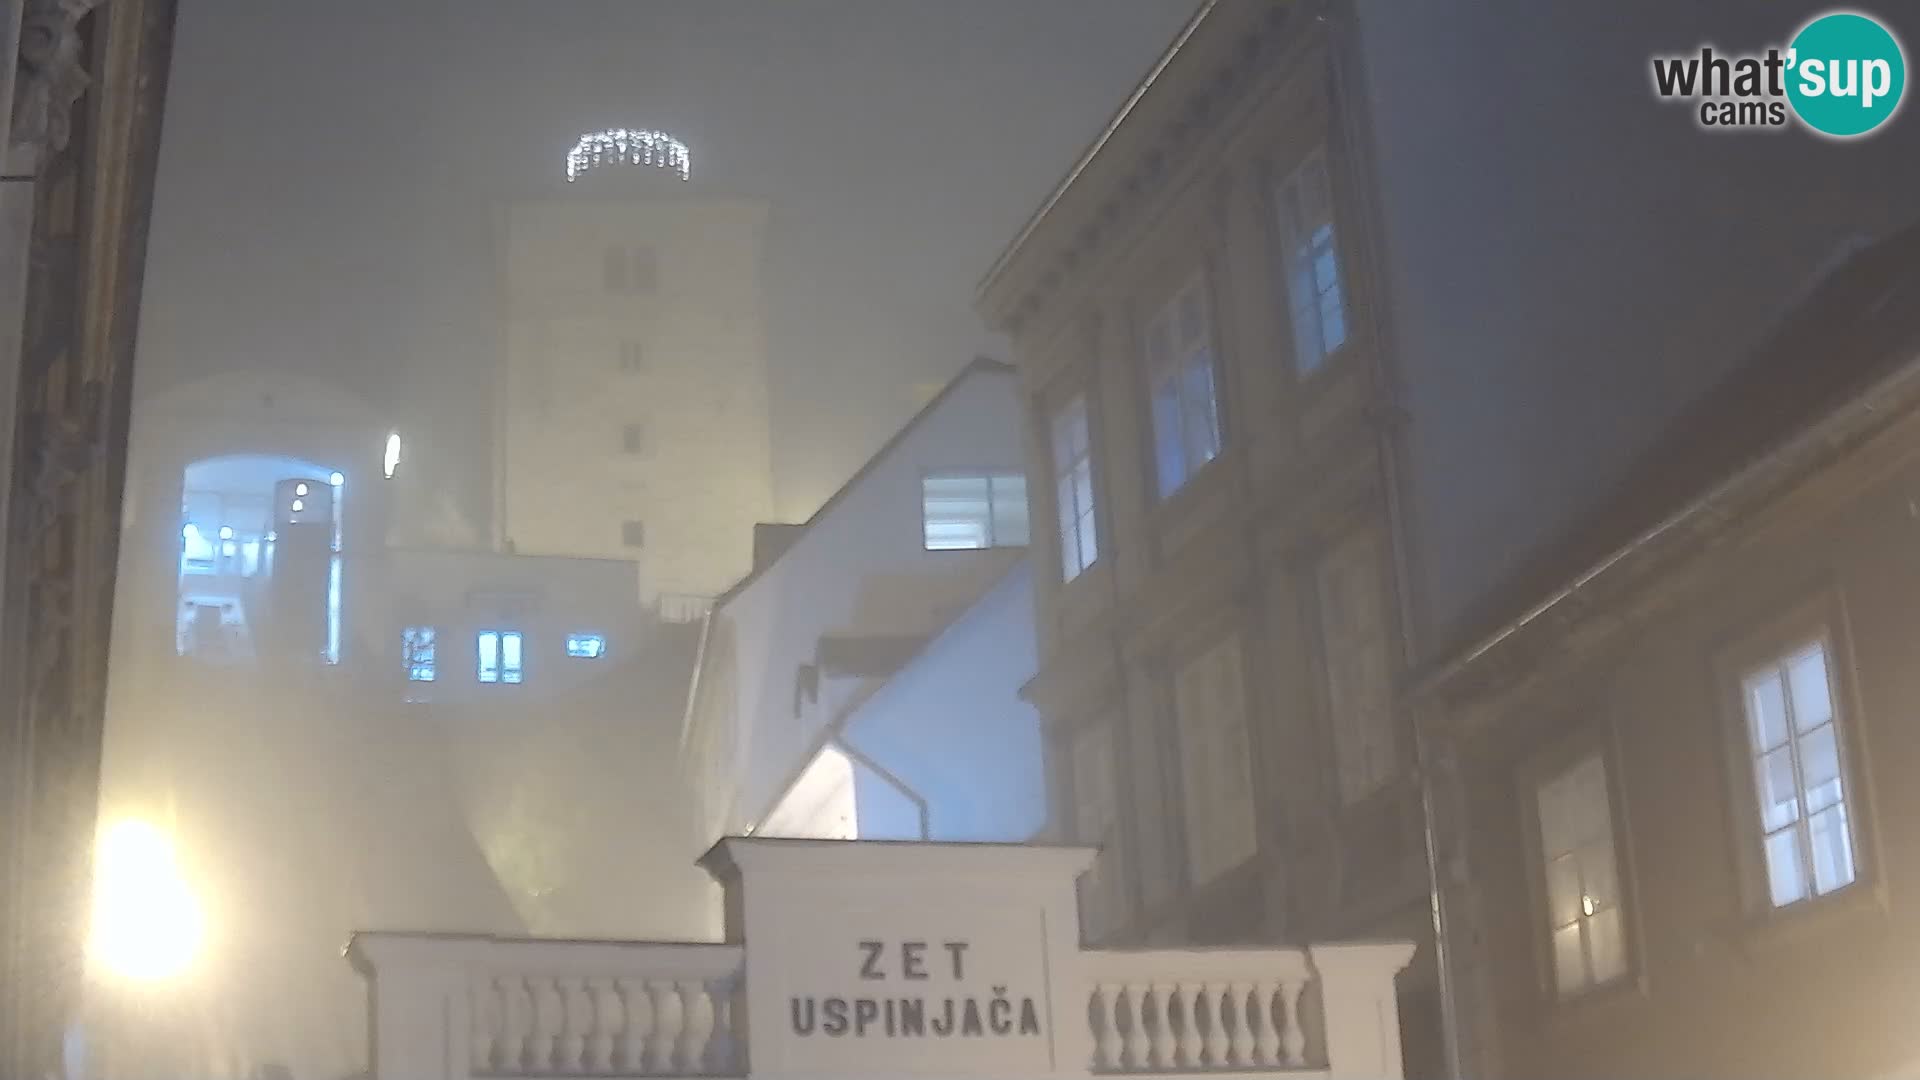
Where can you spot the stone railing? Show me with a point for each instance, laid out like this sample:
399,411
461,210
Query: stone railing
1244,1010
520,1008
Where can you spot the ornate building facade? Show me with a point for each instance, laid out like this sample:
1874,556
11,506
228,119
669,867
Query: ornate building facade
83,91
1196,315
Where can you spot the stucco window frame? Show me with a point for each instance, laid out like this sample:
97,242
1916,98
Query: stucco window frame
1073,384
1819,615
1277,287
1593,737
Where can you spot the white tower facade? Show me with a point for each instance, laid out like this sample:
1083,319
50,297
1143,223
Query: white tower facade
633,414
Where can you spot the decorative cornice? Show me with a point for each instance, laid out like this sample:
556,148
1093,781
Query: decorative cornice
50,78
1024,280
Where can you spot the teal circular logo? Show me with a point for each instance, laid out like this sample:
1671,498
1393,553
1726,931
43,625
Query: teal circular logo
1846,75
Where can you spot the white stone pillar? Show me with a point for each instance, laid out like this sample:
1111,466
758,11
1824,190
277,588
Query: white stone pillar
1361,1009
421,1016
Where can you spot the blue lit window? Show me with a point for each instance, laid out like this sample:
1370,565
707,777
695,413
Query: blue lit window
586,646
499,656
416,653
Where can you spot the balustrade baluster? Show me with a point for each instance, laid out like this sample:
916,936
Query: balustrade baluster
637,1007
1266,1030
576,1019
487,1022
1241,1033
1165,1036
1107,1045
667,1021
1294,1037
518,1003
606,1012
549,1021
1216,1025
1186,1045
696,1029
1137,1045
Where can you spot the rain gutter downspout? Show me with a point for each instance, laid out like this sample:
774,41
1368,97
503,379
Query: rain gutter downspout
1349,53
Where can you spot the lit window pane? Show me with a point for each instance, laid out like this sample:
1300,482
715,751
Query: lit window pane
510,657
1089,549
1598,877
1569,964
1785,882
1333,320
1820,767
1325,274
489,649
1807,677
1766,709
1606,947
1010,526
1202,421
1779,798
1168,455
1832,849
1563,890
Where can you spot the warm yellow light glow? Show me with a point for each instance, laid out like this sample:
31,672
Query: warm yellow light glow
146,923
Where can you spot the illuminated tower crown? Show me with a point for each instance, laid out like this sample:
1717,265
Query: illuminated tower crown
606,149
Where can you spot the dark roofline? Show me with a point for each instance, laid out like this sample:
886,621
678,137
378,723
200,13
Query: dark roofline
1868,345
1093,149
979,364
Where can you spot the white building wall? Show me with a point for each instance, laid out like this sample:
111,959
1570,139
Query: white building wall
703,474
952,727
859,568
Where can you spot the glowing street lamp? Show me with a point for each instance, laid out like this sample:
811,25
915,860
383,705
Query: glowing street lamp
147,925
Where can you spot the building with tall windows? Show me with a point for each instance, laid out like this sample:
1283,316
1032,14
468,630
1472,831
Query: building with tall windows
1194,319
632,414
1455,529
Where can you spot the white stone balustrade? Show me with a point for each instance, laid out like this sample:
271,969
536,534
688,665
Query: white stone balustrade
457,1006
886,960
1170,1011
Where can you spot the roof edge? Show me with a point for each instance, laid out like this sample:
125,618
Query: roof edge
1087,156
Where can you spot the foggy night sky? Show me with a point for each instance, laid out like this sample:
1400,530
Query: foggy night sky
329,171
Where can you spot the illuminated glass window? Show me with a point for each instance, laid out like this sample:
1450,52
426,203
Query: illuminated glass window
1794,752
1073,487
1585,928
1315,297
586,646
1180,378
416,653
979,510
500,656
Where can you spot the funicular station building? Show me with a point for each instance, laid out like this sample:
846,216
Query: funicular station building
855,958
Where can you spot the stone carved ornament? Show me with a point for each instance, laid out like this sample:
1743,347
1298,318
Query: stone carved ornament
49,78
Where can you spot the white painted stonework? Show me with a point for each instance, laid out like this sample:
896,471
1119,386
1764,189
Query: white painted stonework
848,959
